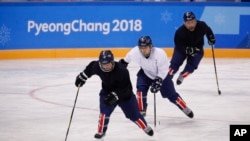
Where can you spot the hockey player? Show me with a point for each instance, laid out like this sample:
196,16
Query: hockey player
116,90
189,42
152,75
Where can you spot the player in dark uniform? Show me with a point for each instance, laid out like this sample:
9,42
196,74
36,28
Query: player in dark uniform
189,42
116,90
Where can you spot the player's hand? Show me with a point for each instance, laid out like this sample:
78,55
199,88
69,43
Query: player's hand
111,98
211,41
193,51
156,85
123,62
80,80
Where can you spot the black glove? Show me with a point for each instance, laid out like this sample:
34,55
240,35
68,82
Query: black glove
193,51
123,62
211,40
80,79
156,85
111,98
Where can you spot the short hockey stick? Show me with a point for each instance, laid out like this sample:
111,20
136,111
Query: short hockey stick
219,92
72,113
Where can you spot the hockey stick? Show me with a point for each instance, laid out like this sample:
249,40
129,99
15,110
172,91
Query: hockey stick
155,122
219,92
72,113
154,110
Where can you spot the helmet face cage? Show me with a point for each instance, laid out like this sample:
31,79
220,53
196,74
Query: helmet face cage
106,56
188,16
144,41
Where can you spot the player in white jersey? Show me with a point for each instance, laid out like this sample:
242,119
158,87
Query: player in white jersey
153,75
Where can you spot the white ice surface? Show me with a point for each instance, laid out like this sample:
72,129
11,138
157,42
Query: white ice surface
37,97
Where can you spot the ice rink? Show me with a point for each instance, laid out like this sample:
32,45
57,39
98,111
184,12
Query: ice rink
37,97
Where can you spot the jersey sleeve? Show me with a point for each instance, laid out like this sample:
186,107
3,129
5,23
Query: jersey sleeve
91,68
162,64
179,39
209,32
130,56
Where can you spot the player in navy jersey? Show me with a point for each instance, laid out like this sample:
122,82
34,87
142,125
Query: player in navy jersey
189,42
152,75
116,91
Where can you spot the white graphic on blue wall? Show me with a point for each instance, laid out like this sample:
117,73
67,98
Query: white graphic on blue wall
4,35
230,21
219,19
224,20
166,16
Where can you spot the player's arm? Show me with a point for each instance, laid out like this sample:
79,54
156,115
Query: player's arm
179,41
210,35
123,62
162,66
181,46
82,77
130,56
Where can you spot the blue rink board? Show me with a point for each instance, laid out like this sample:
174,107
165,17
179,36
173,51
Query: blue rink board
116,24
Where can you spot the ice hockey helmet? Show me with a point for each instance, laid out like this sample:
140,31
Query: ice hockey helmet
106,56
144,41
188,16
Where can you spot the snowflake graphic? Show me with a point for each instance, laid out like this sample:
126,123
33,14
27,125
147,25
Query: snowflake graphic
4,35
166,16
220,19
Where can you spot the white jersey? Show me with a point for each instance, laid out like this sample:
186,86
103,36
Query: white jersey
156,65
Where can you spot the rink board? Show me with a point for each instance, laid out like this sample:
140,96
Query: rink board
82,29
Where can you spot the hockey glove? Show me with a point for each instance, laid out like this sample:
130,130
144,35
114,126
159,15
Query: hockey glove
111,98
211,40
193,51
80,79
123,62
156,85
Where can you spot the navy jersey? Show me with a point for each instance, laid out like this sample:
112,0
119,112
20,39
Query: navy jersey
117,80
184,38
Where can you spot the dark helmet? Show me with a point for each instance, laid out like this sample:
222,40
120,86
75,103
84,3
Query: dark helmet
188,16
105,57
144,41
